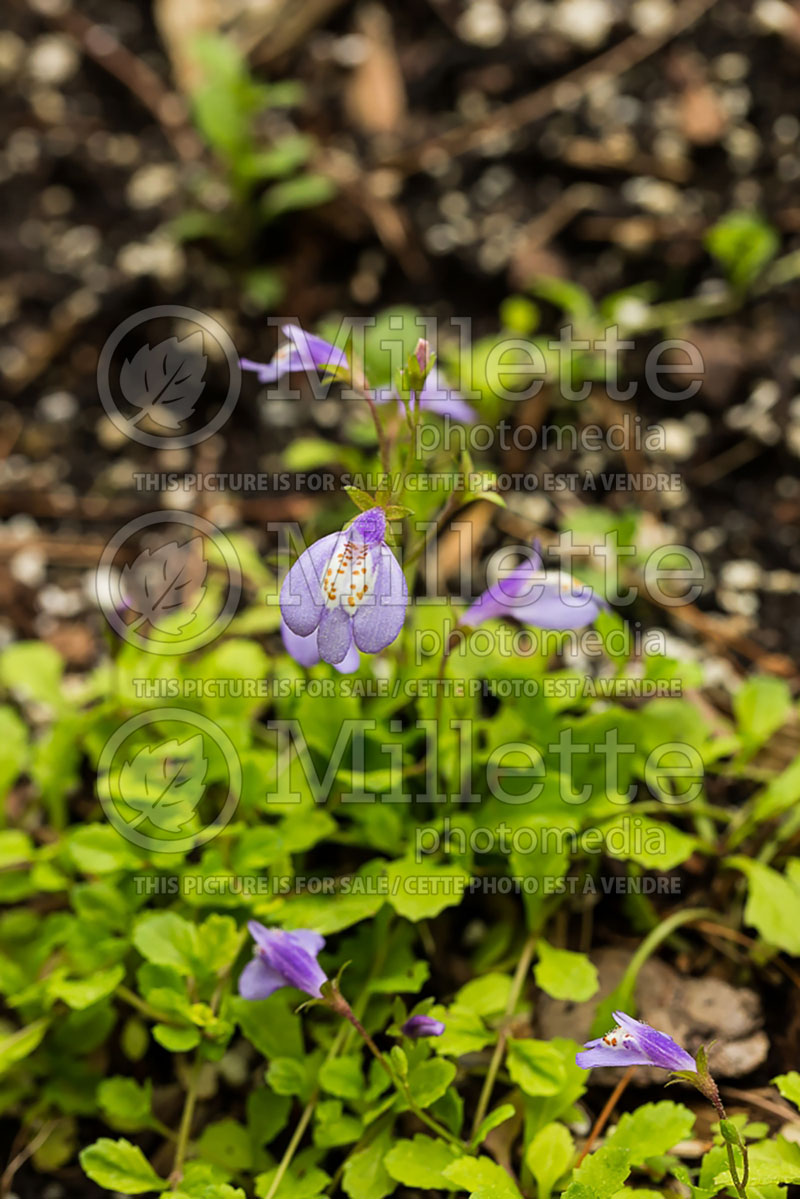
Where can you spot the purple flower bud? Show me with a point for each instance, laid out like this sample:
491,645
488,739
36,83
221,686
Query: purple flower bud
422,1026
537,597
301,352
347,587
632,1043
423,354
282,959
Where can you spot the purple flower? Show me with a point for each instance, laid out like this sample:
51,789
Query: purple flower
301,352
282,960
534,596
632,1043
438,396
422,1026
347,587
304,651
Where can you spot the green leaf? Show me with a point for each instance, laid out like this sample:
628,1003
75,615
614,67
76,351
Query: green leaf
762,705
564,974
84,992
420,1162
304,1180
364,1175
342,1077
789,1086
429,1080
120,1166
492,1121
226,1143
264,288
270,1025
19,1045
292,1076
98,849
464,1032
14,739
535,1066
168,940
548,1156
772,1163
772,904
600,1175
362,499
421,890
124,1103
306,191
481,1174
32,670
487,995
176,1040
743,243
652,1130
574,300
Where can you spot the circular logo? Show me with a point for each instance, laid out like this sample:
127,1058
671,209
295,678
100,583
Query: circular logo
150,381
161,788
167,599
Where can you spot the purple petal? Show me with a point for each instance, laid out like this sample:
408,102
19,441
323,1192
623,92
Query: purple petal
258,980
379,621
308,940
437,396
606,1055
350,662
302,649
300,968
290,956
660,1049
301,598
335,635
305,653
422,1026
313,352
557,609
530,596
370,526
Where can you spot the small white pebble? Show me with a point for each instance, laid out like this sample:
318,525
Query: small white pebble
742,573
28,567
483,24
586,22
57,406
53,59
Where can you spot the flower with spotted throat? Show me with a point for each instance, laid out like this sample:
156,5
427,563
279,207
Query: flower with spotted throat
348,588
633,1043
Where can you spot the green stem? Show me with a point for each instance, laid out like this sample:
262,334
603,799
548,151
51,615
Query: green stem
400,1084
145,1008
739,1183
304,1121
517,983
624,991
185,1129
